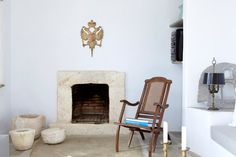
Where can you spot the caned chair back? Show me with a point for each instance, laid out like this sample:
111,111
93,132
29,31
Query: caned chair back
155,92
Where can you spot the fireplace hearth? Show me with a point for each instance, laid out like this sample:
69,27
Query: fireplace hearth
90,103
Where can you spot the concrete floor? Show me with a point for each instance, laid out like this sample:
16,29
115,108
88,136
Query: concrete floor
14,153
174,148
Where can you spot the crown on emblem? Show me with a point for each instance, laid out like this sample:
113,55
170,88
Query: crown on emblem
91,23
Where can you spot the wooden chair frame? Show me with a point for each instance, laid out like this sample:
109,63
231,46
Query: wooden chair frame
156,115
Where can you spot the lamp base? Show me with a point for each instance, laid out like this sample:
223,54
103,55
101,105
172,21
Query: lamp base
213,108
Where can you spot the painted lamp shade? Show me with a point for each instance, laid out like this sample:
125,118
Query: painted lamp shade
214,78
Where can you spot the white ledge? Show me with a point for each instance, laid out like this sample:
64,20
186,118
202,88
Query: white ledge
206,109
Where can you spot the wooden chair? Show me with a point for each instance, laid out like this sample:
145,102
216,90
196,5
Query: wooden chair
152,106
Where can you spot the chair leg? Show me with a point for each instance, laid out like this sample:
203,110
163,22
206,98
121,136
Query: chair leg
155,141
151,145
117,138
142,135
131,137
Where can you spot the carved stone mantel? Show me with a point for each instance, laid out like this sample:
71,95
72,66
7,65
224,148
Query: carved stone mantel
66,79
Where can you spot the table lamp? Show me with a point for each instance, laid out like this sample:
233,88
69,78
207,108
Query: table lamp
213,80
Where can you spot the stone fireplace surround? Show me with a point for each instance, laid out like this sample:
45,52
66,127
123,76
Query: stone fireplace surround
66,79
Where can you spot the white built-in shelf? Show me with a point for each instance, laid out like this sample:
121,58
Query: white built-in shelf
177,24
176,62
212,111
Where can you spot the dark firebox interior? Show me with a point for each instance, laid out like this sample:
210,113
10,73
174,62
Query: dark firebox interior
90,103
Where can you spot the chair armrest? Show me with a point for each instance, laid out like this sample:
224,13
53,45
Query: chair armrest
129,103
163,107
123,108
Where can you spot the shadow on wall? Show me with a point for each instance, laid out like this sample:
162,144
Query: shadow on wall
225,98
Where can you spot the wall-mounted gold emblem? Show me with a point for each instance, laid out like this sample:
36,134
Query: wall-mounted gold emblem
92,36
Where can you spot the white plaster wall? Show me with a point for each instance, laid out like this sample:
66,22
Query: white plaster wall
4,145
45,38
209,31
4,78
4,67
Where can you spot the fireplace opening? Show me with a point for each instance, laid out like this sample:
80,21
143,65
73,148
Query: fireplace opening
90,103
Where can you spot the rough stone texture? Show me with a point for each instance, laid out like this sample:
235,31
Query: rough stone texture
22,139
88,129
116,83
33,121
203,92
53,135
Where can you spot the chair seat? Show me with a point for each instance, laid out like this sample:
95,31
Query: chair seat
136,127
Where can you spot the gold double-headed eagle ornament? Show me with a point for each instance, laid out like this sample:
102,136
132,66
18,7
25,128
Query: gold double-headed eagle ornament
92,36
